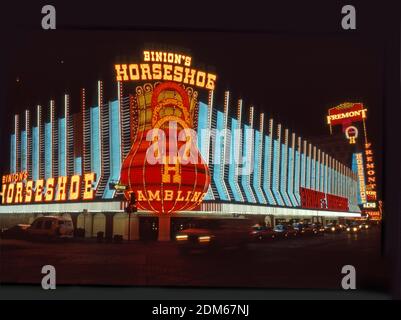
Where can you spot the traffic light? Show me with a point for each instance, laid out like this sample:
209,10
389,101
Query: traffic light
132,204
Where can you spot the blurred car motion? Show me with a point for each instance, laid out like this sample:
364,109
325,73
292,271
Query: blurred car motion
285,231
334,228
207,234
51,227
353,227
319,229
364,226
16,232
259,232
305,229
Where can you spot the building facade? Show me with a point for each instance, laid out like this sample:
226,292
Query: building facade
257,168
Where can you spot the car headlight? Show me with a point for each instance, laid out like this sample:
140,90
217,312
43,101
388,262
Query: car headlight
333,229
355,229
348,229
204,239
181,237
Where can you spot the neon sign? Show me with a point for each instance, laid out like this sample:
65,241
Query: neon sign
165,66
312,199
346,113
16,189
164,168
351,133
371,182
361,176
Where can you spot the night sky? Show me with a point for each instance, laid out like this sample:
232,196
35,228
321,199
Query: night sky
294,79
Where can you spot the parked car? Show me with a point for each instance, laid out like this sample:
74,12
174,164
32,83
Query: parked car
51,227
259,232
285,231
214,233
15,232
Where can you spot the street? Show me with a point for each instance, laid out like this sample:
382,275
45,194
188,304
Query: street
302,262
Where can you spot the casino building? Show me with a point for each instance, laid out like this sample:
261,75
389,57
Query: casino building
68,164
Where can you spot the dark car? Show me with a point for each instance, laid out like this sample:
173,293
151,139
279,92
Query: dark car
305,229
353,227
208,234
318,229
18,231
333,228
364,226
285,231
262,233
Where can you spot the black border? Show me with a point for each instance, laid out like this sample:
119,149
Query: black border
375,19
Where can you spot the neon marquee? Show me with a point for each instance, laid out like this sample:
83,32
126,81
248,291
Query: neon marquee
52,189
165,66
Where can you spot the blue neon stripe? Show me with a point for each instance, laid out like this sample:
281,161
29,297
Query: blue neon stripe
115,148
23,150
257,168
329,180
35,153
48,150
78,165
95,141
308,172
13,161
234,156
247,165
291,173
297,177
322,166
303,170
218,169
313,173
276,175
283,175
267,181
62,142
203,138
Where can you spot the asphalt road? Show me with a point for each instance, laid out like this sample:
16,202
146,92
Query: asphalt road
313,262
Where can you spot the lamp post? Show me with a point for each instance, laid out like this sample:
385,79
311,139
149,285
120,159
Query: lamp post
120,188
131,208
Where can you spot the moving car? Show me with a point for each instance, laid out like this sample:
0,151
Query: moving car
353,228
364,226
318,229
305,229
285,231
16,232
213,233
333,228
51,227
259,232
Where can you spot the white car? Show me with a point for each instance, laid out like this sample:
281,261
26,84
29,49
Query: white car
51,227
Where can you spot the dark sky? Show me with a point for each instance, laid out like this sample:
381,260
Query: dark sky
294,78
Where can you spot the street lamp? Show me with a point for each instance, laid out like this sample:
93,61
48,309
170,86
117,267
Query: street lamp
130,196
129,209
